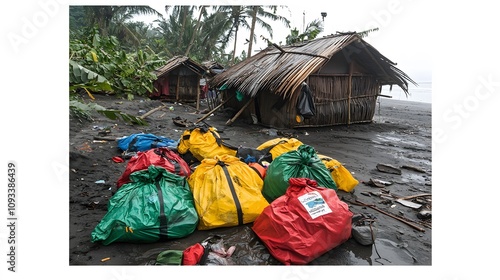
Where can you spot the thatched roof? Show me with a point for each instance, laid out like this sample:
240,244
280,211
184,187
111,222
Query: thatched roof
213,67
281,69
179,60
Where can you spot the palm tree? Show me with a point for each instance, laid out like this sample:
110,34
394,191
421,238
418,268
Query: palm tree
177,29
256,14
102,16
313,29
236,18
196,29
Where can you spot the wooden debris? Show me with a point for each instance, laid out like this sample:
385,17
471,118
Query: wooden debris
104,138
178,121
414,168
412,224
387,168
214,109
416,195
409,203
152,111
379,183
230,121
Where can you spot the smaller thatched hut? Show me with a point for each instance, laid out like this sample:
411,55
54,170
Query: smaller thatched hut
338,77
178,80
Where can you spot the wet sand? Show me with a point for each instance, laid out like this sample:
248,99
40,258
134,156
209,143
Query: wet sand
400,135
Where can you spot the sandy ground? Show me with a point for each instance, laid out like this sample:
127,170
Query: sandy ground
400,136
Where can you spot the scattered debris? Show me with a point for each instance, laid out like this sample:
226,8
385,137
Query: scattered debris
178,121
403,220
105,259
414,168
379,183
152,111
387,168
424,214
118,159
100,182
409,203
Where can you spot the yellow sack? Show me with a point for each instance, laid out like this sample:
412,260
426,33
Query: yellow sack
226,192
281,146
342,177
204,142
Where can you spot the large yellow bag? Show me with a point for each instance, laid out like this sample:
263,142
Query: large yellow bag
226,192
280,146
342,177
204,142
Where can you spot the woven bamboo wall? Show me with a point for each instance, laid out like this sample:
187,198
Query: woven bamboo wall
331,99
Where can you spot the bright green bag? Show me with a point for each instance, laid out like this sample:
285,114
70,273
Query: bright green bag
156,205
301,163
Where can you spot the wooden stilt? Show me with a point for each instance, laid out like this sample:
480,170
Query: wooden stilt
230,121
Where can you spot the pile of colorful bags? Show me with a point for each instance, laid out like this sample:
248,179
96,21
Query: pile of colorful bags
282,186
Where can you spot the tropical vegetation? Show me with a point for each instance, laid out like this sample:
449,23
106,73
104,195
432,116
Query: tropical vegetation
112,53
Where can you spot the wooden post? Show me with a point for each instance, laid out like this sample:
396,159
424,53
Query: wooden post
198,96
230,121
213,110
349,92
177,88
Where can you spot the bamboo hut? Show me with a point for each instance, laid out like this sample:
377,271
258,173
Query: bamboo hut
344,75
178,80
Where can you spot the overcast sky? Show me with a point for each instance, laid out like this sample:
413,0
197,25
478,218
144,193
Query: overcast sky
401,25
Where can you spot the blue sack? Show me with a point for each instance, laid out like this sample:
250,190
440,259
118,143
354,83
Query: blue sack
143,141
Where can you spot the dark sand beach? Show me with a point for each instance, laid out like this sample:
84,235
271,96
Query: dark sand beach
400,136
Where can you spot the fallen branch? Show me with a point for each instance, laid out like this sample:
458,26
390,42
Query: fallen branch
152,111
357,202
105,138
415,196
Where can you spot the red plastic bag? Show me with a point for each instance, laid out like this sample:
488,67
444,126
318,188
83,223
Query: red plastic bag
161,157
304,223
192,255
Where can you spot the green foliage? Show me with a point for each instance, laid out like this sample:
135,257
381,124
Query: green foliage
313,29
83,111
101,61
81,77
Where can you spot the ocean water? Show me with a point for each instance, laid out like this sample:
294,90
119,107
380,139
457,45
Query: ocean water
420,93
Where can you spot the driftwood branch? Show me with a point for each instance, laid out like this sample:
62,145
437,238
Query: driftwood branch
230,121
152,111
105,138
357,202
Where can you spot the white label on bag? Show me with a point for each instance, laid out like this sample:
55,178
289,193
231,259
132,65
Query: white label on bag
314,204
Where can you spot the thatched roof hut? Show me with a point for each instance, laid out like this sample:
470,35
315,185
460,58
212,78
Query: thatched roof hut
178,80
344,75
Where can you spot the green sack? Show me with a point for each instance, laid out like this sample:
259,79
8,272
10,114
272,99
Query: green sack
170,257
156,205
301,163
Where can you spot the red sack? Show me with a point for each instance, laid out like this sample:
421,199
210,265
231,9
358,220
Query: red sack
304,223
161,157
193,254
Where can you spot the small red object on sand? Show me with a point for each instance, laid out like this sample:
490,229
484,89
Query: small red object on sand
117,159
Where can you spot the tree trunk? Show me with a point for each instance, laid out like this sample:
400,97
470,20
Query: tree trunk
252,30
195,33
235,41
182,13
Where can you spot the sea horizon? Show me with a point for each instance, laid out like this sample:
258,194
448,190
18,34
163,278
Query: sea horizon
420,93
